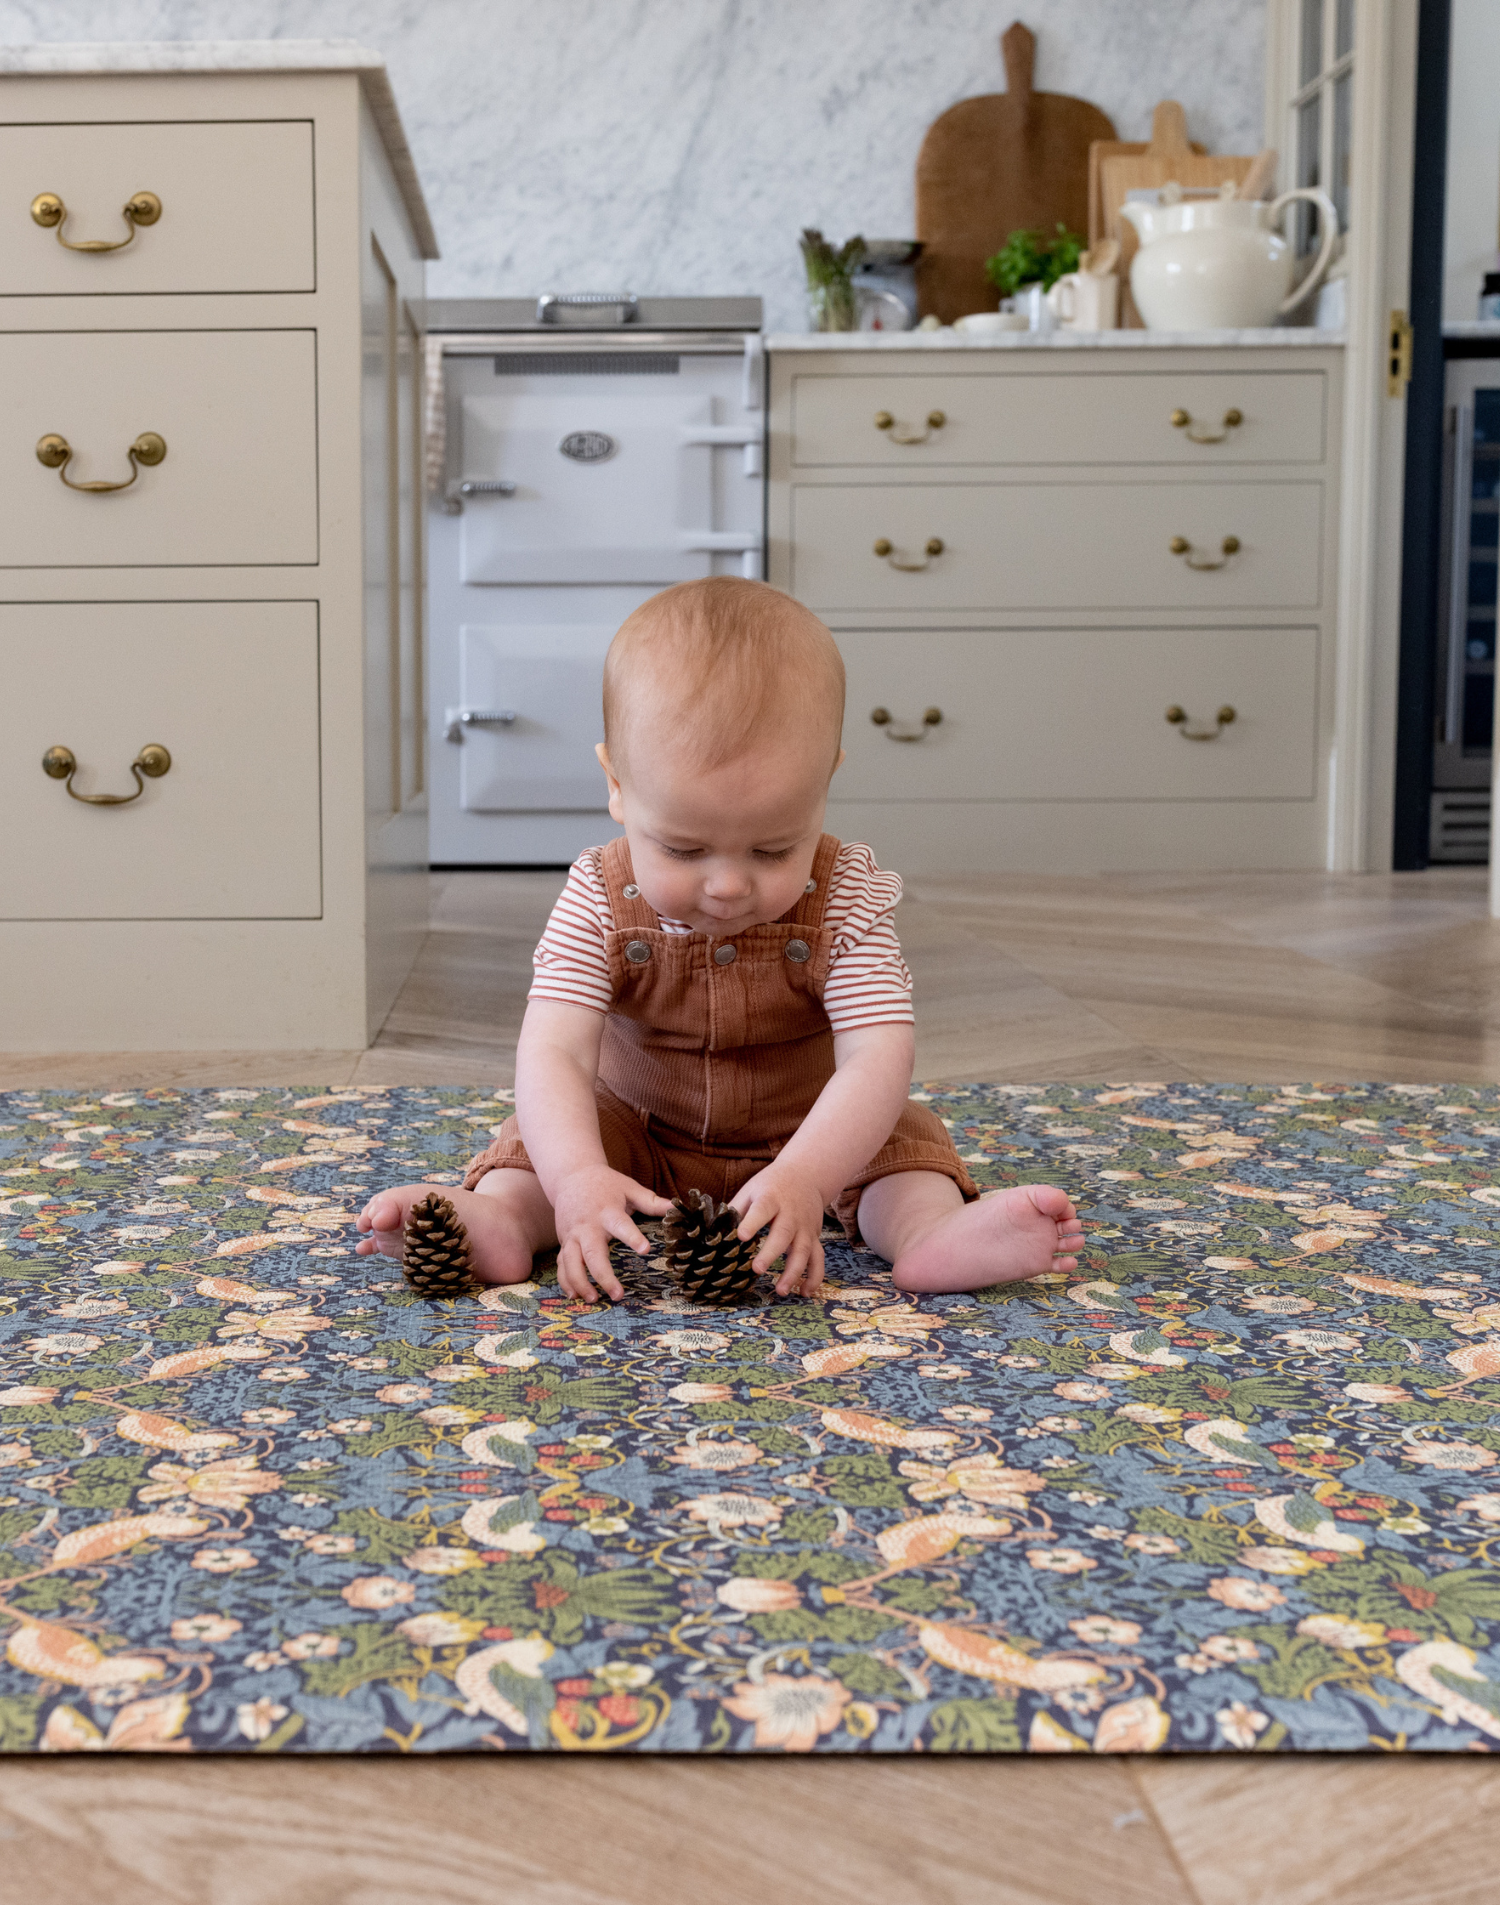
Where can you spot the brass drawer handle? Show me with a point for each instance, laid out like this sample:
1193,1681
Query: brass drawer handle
931,718
885,547
1180,546
48,211
61,764
899,434
1183,420
1178,717
56,453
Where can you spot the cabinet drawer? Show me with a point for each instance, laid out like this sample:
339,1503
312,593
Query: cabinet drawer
1006,420
1078,546
236,208
236,409
1079,714
230,689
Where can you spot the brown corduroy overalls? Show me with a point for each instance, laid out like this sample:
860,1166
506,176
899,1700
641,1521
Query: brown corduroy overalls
715,1050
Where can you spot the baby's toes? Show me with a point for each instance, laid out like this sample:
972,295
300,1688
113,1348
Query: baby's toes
1051,1202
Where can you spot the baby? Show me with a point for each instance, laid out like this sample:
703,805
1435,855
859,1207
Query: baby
720,1000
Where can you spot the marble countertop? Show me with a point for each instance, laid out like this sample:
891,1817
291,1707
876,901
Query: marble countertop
77,58
1283,337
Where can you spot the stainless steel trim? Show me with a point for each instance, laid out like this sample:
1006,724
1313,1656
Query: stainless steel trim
551,302
450,316
733,434
682,343
1458,573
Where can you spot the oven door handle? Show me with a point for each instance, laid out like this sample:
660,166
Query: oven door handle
455,720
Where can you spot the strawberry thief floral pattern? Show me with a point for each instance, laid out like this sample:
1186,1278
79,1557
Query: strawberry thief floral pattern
1232,1486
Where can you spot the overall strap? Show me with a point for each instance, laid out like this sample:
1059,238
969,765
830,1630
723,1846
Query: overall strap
810,908
628,910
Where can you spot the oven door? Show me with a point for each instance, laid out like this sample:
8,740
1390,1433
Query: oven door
606,487
530,719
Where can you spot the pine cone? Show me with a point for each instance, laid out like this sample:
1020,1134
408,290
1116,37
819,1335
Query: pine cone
435,1258
704,1254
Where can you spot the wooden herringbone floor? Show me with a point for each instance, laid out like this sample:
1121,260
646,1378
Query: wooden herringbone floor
1273,977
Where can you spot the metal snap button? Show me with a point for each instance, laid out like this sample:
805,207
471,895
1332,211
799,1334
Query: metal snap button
631,892
798,950
724,955
637,952
811,887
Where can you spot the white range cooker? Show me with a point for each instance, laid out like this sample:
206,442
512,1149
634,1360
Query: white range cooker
583,453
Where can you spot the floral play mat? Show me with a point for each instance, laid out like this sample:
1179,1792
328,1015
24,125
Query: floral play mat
1235,1485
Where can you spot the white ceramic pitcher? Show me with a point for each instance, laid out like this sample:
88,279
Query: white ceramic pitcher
1220,264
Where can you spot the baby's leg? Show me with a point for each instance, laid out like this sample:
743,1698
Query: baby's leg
933,1240
506,1215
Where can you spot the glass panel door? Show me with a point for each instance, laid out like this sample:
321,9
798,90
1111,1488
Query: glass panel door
1465,698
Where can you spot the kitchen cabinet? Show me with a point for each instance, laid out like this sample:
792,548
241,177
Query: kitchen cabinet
210,548
1085,592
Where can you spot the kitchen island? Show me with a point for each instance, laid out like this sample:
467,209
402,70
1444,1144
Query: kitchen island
213,777
1085,585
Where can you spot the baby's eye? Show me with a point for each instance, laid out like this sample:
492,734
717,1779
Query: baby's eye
780,853
683,853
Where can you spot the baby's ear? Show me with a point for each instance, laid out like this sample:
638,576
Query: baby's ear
616,809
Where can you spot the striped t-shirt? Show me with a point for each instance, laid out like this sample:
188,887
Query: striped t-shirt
868,983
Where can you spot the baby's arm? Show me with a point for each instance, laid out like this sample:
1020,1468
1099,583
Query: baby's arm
855,1113
557,1061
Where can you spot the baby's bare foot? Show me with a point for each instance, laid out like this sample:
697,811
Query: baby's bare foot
1021,1232
500,1240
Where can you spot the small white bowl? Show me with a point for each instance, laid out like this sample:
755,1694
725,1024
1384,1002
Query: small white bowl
981,322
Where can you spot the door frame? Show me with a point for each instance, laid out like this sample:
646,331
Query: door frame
1362,770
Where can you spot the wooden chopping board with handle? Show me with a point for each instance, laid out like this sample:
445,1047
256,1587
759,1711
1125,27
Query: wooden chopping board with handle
1002,162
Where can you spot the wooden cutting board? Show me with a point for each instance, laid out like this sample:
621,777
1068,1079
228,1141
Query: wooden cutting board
1103,149
999,163
1122,169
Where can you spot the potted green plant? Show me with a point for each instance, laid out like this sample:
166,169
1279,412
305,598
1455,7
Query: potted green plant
1033,257
831,303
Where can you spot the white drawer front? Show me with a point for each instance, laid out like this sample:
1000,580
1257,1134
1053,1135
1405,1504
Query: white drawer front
1007,420
236,409
1079,546
231,830
1073,714
236,208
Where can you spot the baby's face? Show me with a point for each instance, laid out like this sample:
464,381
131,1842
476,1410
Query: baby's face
723,849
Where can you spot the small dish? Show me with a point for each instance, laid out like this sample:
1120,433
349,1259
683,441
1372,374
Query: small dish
982,323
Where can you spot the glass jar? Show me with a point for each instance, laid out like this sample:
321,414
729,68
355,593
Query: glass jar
832,306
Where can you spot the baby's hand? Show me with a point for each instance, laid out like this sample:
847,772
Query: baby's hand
792,1204
592,1206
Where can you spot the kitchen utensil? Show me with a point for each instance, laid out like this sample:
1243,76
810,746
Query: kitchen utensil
1261,176
881,310
1169,157
994,164
1211,264
889,266
1086,300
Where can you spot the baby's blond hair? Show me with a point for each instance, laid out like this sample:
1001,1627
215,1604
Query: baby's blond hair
709,668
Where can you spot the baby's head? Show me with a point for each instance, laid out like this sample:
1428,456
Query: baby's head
723,707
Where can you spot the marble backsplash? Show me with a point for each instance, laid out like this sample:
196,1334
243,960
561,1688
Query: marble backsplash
678,146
